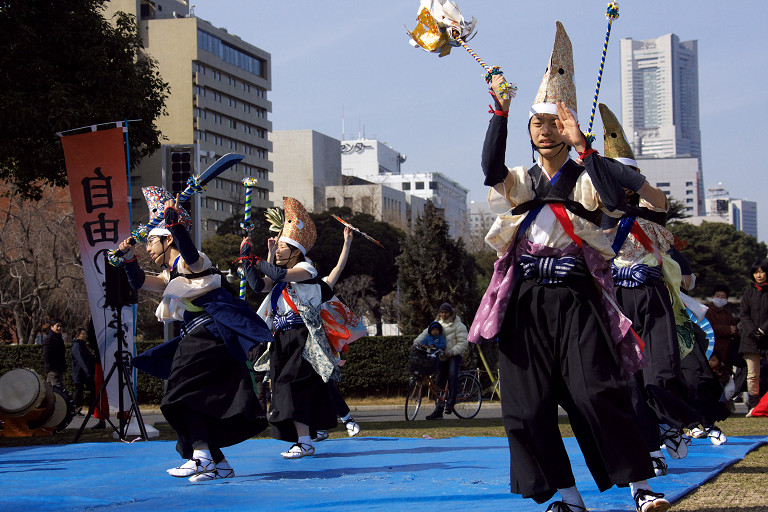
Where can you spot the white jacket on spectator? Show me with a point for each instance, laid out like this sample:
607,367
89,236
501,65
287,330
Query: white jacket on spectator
455,334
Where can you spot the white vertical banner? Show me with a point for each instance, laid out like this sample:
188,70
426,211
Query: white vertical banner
98,185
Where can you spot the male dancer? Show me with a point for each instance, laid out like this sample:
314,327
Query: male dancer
560,340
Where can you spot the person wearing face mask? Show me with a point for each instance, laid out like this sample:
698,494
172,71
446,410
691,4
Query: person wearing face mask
209,400
723,323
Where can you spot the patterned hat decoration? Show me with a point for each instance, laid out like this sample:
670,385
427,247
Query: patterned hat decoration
156,198
298,228
616,145
558,82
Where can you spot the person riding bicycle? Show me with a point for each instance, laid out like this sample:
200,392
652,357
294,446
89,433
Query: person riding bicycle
455,333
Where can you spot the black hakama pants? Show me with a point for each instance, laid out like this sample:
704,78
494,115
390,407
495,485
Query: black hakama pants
666,392
704,387
555,349
298,392
210,397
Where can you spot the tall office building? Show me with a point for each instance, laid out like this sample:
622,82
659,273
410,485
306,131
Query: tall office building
217,104
660,102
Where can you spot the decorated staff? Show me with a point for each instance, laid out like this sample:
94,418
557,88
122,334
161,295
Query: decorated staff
612,14
353,228
441,26
247,225
194,184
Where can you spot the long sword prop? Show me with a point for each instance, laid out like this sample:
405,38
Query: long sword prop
353,228
194,184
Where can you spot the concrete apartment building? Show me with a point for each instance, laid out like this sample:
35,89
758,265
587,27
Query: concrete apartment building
308,166
740,213
660,109
677,177
374,161
218,104
305,163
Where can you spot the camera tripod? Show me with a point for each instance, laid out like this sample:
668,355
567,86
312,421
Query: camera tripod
122,367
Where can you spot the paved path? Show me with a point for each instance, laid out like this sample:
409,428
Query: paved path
361,413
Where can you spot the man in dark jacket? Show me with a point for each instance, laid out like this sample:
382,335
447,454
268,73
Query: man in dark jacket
83,365
54,355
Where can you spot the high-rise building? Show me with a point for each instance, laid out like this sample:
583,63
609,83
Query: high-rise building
660,102
218,104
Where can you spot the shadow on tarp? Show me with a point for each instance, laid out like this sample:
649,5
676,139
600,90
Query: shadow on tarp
371,474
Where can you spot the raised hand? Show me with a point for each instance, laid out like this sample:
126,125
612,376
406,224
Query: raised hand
569,128
496,82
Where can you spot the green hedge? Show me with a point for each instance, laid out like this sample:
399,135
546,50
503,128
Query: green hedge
149,389
375,366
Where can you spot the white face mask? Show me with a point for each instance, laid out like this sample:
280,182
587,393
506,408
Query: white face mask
719,302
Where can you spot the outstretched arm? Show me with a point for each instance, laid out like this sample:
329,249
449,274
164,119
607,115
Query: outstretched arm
333,277
136,277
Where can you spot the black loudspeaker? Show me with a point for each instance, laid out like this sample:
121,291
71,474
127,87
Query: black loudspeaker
117,291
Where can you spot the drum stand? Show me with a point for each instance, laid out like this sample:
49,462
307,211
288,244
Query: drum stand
122,366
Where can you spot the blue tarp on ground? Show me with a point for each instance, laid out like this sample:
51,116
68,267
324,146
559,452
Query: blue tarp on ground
356,474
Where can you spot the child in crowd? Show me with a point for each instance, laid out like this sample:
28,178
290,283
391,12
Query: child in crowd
434,341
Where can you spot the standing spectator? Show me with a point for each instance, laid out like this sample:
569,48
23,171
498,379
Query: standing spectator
723,323
754,326
455,333
54,357
83,366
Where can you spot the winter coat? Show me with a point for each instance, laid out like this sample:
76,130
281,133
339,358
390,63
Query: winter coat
54,354
83,362
436,341
455,334
754,314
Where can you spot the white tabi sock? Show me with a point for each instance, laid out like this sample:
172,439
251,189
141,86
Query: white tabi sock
641,484
305,440
345,418
657,453
571,496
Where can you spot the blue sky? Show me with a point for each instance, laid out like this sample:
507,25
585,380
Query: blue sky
354,57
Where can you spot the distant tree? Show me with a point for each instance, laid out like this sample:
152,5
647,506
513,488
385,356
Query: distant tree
676,210
64,66
484,261
41,275
434,268
223,250
366,258
719,253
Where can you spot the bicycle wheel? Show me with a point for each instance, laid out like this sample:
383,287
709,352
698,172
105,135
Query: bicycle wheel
413,399
468,397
